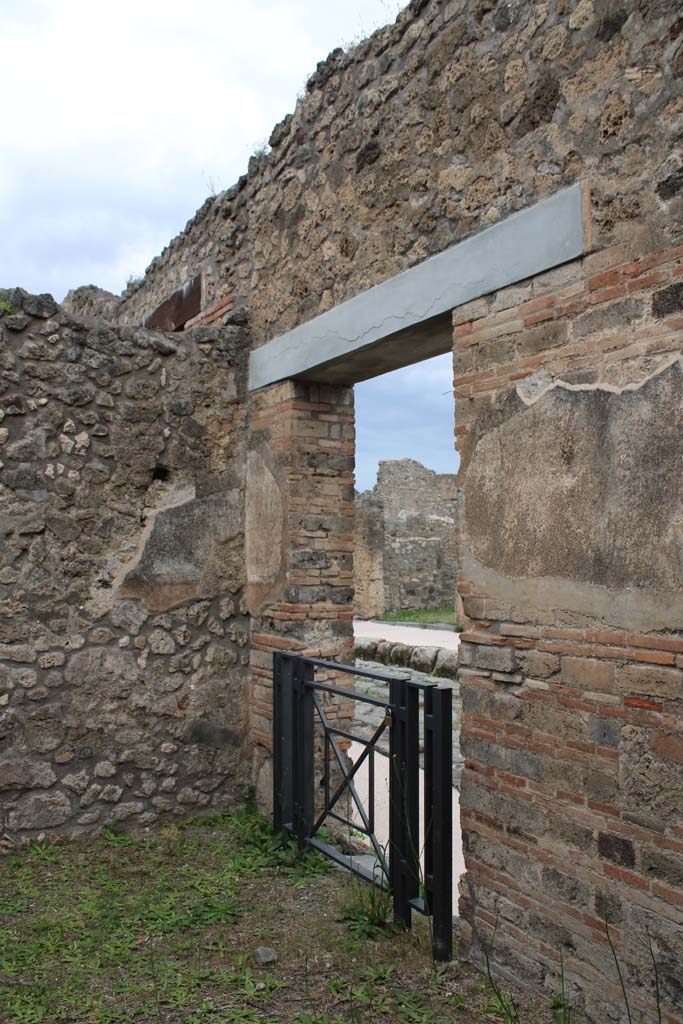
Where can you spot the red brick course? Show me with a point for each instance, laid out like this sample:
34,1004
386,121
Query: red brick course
309,429
553,752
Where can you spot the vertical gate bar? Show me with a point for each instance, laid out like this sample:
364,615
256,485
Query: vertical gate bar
283,741
428,799
277,742
371,789
398,852
442,825
297,768
326,768
395,801
412,786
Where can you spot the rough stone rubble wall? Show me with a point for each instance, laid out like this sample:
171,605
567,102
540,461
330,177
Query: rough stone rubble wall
456,116
123,632
404,540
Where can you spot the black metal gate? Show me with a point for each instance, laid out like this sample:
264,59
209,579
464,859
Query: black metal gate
297,701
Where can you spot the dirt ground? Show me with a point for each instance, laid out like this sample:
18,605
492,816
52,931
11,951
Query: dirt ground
166,929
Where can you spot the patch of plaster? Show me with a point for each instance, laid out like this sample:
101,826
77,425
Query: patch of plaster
105,591
266,530
178,553
575,503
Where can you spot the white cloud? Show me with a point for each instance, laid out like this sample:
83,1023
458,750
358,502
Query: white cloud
120,119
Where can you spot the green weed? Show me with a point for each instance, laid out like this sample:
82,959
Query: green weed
439,615
367,911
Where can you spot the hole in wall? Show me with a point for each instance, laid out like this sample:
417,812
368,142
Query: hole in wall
161,472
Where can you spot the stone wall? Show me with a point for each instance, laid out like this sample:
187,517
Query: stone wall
123,628
456,116
568,424
404,540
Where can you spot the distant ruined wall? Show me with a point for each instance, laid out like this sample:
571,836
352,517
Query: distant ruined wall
404,551
123,629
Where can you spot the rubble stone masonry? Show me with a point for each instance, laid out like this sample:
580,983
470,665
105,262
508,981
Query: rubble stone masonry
123,628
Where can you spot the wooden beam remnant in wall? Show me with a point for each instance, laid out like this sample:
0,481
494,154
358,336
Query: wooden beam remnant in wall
174,312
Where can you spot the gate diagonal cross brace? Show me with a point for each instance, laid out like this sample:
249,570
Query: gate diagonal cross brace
348,774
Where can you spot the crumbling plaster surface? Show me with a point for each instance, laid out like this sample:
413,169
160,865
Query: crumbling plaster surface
123,627
266,528
575,501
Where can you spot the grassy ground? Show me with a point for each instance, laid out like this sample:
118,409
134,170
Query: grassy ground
163,930
446,615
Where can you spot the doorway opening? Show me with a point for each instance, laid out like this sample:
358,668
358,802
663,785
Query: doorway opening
404,553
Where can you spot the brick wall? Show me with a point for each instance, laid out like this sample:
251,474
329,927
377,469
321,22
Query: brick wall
305,432
571,797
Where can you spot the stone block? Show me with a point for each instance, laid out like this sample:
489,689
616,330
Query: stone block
40,811
651,681
667,301
588,673
383,651
400,654
665,867
600,786
668,746
365,648
604,731
526,764
540,665
423,659
547,335
490,658
446,664
614,316
616,849
24,774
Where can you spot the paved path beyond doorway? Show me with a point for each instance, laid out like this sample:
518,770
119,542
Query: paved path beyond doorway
403,633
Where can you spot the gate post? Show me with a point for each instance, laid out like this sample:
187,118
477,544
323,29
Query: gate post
303,752
283,742
404,809
438,817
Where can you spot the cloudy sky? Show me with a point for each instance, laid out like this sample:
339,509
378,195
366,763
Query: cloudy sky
119,120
